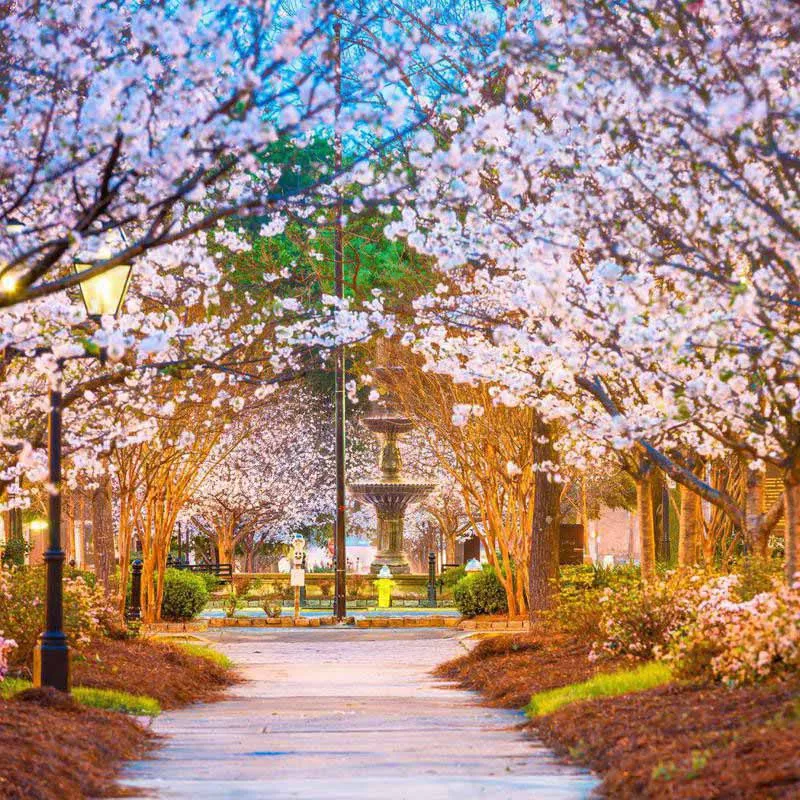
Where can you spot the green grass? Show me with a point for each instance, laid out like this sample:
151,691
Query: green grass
108,699
612,684
112,700
203,651
10,686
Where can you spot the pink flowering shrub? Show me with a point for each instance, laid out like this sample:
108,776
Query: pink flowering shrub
6,646
738,641
638,621
22,600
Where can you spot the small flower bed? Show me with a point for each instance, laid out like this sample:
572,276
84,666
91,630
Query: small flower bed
738,641
87,611
734,629
6,646
639,621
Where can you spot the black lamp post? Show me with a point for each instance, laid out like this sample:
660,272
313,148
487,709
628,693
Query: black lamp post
102,294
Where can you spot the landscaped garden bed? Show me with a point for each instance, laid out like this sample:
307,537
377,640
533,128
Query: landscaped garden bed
716,715
60,746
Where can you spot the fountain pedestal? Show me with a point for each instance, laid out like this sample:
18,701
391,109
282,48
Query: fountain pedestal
391,493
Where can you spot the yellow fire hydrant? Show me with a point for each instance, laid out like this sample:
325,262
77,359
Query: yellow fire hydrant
384,584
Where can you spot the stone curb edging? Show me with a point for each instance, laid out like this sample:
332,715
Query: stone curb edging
192,626
431,621
428,621
515,625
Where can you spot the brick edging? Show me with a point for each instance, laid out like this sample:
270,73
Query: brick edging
497,625
430,621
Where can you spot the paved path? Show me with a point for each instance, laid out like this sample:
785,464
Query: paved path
343,714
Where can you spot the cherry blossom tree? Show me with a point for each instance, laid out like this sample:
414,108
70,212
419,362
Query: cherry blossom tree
616,232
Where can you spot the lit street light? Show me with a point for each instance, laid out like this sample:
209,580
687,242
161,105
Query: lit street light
102,294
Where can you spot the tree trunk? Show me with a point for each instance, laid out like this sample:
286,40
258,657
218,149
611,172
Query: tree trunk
689,533
543,558
756,534
647,540
450,547
103,534
792,500
225,543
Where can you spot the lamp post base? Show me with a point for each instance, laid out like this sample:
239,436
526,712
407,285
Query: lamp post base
51,663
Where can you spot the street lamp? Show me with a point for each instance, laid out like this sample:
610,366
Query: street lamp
51,656
103,294
9,281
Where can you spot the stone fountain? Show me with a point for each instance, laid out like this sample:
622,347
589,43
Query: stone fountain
392,492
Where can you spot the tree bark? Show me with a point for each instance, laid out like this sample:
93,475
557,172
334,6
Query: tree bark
689,533
791,498
103,534
754,513
225,542
647,539
543,559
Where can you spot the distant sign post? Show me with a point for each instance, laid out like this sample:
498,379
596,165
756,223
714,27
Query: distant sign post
298,574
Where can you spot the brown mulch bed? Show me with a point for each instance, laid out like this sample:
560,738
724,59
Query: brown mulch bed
686,742
156,669
507,670
54,749
677,741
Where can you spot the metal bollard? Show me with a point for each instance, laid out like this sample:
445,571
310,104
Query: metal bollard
432,580
135,609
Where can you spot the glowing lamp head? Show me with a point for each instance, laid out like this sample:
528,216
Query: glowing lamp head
38,525
473,565
8,284
103,294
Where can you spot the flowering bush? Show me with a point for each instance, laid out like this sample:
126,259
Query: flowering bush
579,610
638,620
22,600
6,646
738,641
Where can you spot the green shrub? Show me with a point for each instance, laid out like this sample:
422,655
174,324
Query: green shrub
757,575
480,593
639,621
211,581
87,611
231,602
450,577
14,552
581,588
185,595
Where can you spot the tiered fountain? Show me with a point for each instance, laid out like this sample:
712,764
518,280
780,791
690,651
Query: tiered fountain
392,492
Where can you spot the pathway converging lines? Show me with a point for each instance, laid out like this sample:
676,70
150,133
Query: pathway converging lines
346,714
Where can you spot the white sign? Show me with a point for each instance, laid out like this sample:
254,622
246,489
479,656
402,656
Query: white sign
298,577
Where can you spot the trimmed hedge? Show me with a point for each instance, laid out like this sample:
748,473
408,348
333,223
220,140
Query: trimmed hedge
480,593
185,595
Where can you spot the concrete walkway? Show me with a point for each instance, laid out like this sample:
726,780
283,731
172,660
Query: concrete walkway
345,714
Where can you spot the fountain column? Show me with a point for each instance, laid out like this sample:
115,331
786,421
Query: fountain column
392,492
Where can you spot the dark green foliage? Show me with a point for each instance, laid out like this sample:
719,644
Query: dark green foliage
757,575
15,551
185,595
212,582
480,593
90,579
450,577
579,609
